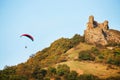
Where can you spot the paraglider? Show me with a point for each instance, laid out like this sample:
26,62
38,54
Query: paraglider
25,46
28,36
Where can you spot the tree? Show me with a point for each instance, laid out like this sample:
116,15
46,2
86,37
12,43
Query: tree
39,73
62,70
71,76
51,71
76,39
86,55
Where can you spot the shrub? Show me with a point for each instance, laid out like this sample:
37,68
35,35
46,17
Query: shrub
110,61
3,76
39,73
62,70
116,52
18,77
101,56
86,55
117,60
77,39
88,77
46,78
71,76
51,71
114,78
95,51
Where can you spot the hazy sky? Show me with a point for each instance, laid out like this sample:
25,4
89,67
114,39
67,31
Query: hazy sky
47,21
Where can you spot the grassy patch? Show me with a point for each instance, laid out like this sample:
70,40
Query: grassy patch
97,69
74,52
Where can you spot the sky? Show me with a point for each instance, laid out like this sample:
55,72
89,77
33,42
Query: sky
47,21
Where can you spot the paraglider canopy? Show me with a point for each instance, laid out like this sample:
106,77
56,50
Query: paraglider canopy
27,35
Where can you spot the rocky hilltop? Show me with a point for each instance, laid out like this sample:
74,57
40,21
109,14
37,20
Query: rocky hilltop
99,33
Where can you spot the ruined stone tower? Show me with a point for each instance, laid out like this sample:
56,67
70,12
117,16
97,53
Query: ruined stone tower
99,33
96,32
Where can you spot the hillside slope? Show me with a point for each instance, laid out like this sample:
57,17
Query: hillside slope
73,52
93,56
89,67
99,61
98,67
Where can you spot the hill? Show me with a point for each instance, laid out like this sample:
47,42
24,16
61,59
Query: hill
94,56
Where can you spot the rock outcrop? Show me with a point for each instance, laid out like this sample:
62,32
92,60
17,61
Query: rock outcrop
99,33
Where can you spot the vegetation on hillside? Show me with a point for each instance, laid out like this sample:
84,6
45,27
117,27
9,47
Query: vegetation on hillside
61,72
47,57
101,55
52,54
42,65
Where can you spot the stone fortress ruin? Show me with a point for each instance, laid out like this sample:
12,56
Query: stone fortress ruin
99,33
